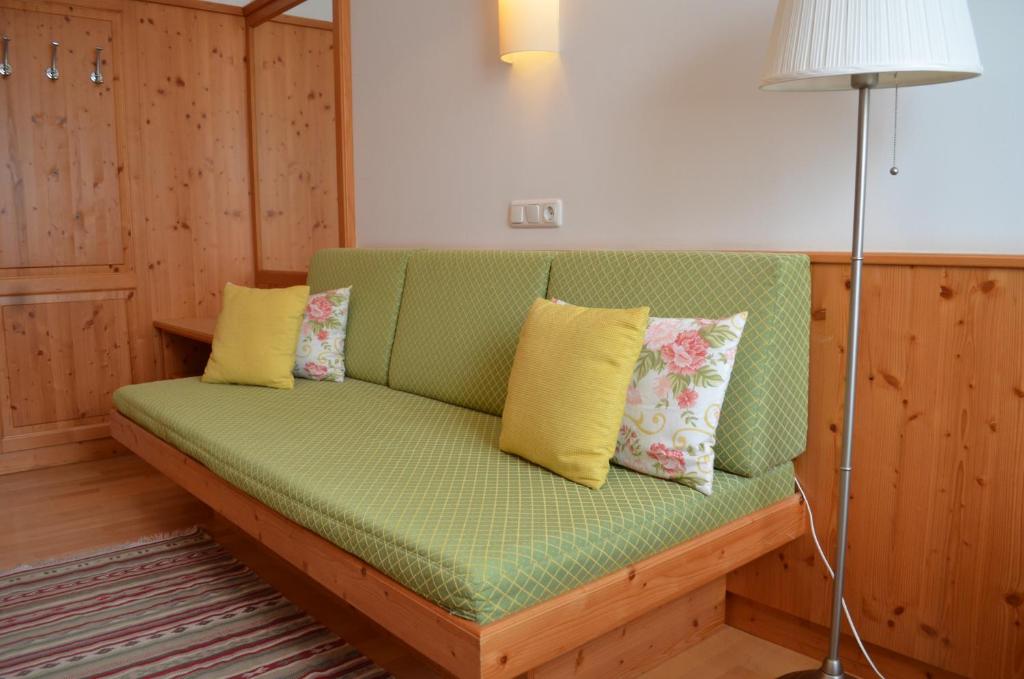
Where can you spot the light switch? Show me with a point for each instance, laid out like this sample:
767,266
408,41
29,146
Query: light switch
533,213
516,214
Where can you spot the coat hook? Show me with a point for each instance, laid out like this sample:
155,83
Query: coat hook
52,73
5,66
97,76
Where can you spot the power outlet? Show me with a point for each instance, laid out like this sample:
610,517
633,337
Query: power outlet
536,213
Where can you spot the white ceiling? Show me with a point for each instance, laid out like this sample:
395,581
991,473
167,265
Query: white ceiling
310,9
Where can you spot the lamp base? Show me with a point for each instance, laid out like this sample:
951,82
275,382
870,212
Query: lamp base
818,673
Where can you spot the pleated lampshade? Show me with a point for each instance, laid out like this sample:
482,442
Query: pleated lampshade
819,44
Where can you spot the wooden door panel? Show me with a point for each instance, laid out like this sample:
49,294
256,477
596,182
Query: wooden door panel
63,360
293,115
59,194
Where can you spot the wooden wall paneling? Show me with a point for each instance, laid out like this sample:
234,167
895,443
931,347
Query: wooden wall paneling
12,462
292,85
63,356
811,639
64,359
343,120
59,203
936,561
190,174
174,101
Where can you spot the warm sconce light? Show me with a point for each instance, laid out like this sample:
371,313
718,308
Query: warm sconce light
527,27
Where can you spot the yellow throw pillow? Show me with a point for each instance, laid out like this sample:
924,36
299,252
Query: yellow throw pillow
255,337
567,389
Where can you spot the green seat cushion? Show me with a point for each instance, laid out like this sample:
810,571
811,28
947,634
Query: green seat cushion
376,277
764,417
460,321
418,488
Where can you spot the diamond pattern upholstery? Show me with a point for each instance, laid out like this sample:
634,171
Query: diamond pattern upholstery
419,489
764,418
377,278
459,324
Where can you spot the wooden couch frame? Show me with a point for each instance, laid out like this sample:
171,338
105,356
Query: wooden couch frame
576,634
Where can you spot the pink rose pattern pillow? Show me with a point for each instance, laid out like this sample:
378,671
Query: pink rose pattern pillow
320,353
675,398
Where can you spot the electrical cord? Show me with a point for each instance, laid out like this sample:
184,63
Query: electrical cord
832,573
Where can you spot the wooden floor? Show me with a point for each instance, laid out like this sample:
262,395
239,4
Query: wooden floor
53,512
75,508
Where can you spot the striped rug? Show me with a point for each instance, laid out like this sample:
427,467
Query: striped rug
173,607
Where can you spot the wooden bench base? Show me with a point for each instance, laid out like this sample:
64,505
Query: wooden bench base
646,642
614,610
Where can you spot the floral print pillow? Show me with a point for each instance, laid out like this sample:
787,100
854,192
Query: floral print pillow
320,354
675,398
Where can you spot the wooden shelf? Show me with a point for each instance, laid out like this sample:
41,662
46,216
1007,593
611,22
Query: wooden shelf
198,329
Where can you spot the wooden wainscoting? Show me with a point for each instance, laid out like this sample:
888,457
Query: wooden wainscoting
300,84
936,544
294,170
131,203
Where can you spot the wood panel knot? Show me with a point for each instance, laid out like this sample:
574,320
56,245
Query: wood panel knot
945,292
891,380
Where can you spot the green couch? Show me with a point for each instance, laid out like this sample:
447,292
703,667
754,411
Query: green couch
399,465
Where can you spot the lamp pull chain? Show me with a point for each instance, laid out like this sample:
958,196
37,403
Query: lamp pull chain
894,170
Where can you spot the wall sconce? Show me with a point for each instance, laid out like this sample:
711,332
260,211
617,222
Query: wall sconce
527,27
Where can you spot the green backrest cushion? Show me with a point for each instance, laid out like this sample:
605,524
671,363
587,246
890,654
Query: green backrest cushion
764,418
459,323
377,278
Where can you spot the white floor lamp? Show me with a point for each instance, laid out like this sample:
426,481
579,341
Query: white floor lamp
863,45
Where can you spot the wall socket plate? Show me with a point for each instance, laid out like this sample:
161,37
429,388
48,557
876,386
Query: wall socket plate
535,213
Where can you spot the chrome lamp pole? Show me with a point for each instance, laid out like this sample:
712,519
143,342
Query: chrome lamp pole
854,45
832,667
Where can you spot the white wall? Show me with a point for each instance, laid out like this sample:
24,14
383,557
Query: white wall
650,126
310,9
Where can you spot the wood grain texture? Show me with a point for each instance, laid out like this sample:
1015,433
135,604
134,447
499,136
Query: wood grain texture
811,639
194,196
343,121
513,645
63,360
60,196
64,510
12,462
936,561
280,279
508,647
728,653
293,136
258,12
186,344
939,259
293,20
174,104
646,642
198,329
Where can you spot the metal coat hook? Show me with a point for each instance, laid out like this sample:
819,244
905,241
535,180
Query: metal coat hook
97,76
52,73
5,66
